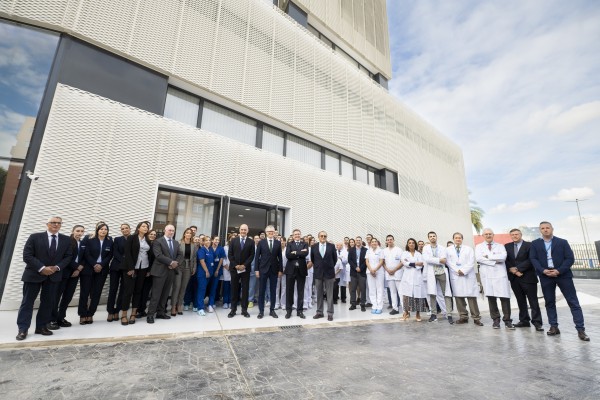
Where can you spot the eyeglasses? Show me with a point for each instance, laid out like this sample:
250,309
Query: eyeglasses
55,223
322,235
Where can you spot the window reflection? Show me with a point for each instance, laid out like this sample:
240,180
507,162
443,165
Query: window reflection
26,55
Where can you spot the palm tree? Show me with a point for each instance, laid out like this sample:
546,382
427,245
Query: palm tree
476,216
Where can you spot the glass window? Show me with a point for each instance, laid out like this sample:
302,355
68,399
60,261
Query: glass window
361,173
304,151
371,176
391,181
297,14
183,210
332,162
326,41
219,120
347,169
273,140
312,30
182,107
26,56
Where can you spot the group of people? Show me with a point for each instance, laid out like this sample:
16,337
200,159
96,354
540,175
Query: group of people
148,271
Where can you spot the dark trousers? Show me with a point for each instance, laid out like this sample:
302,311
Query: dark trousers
64,295
527,292
132,288
269,279
359,282
90,289
47,301
567,288
141,306
191,291
292,280
240,281
115,291
161,288
495,313
336,290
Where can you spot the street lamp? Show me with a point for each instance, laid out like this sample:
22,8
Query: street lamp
576,201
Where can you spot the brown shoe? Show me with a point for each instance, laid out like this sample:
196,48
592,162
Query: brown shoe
478,322
462,321
583,336
553,331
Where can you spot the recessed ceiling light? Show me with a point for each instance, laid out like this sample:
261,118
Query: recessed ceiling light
240,215
247,209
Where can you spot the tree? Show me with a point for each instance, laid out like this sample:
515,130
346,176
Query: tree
476,216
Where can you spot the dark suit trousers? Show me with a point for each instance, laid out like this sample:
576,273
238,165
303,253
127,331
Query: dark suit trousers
360,282
567,288
47,301
240,281
527,292
98,281
290,281
132,288
141,306
161,289
115,292
271,277
64,296
494,312
325,286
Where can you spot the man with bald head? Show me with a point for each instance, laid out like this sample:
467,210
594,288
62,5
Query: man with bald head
167,256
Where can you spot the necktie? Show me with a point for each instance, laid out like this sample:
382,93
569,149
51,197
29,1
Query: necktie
270,245
458,252
489,246
52,251
322,250
171,248
242,242
516,250
297,243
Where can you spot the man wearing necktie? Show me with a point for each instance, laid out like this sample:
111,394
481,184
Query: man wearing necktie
296,272
45,254
167,257
324,257
491,257
240,254
269,266
461,265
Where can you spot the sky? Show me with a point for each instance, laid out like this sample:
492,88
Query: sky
516,84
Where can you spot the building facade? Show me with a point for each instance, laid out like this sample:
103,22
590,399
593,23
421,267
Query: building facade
216,113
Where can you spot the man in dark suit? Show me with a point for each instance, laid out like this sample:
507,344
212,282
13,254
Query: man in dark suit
241,253
324,257
167,256
523,280
45,255
296,272
269,266
358,274
552,258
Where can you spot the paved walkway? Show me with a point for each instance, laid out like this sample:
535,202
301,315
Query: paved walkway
382,358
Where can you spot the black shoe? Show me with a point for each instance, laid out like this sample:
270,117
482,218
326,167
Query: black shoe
433,318
335,302
394,312
43,331
538,328
522,324
260,315
450,320
231,314
583,336
273,314
162,316
64,323
509,325
53,326
245,314
301,315
462,321
288,315
344,301
352,307
496,323
150,319
369,305
330,317
21,335
363,308
553,331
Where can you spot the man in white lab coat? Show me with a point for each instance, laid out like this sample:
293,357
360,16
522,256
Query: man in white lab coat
461,263
438,283
491,257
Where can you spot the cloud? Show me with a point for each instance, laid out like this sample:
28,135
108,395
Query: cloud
516,207
573,193
576,116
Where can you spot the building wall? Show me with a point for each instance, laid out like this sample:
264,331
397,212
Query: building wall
117,156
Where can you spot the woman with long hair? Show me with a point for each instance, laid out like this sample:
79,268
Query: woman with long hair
219,258
186,269
68,285
413,288
97,253
135,266
147,286
206,267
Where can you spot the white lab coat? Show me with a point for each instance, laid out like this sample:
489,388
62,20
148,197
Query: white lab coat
226,274
341,267
462,286
492,269
412,284
393,257
429,273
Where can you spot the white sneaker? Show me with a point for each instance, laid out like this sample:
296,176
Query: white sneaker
201,313
250,304
225,306
211,309
186,308
195,309
268,304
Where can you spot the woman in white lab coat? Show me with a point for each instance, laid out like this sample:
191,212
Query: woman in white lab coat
414,290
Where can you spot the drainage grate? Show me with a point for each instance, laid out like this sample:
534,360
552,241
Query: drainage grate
290,327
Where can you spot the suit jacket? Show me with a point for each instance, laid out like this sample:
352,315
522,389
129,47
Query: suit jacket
163,258
361,261
131,251
562,257
296,260
36,255
521,262
265,260
119,253
324,267
76,259
239,256
92,251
